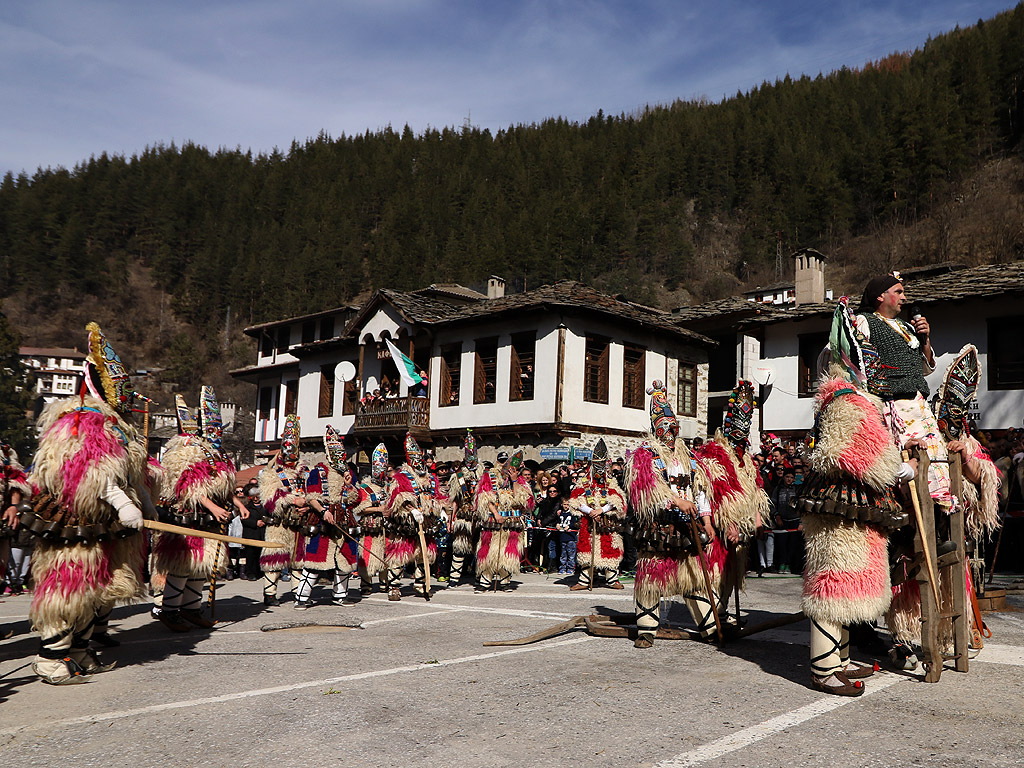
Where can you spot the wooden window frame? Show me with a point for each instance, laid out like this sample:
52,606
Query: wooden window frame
325,406
522,352
350,398
686,387
451,375
266,402
595,364
480,371
809,346
308,332
634,371
291,397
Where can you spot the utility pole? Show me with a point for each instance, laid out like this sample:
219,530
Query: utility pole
778,256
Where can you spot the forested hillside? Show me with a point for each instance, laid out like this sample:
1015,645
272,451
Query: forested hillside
684,200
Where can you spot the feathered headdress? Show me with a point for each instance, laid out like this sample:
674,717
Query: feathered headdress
290,439
335,449
414,454
106,376
186,421
469,450
738,415
663,421
599,463
209,416
379,464
958,390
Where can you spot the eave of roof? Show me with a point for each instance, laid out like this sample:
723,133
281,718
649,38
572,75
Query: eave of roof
255,330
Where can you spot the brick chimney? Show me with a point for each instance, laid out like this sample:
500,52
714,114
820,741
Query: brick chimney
810,276
495,287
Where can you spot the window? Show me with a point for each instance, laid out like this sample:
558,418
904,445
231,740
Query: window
327,328
283,334
326,406
309,331
686,390
348,403
1005,353
633,371
520,383
266,344
810,347
486,371
451,374
266,402
291,396
595,370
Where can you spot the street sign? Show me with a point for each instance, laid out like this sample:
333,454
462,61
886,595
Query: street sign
554,454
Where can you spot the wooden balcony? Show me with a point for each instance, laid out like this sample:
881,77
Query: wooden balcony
393,415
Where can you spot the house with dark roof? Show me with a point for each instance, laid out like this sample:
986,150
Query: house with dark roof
980,305
555,366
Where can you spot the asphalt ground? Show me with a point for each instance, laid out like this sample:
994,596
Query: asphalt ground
410,683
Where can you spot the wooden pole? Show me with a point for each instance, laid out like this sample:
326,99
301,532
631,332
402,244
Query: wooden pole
426,562
156,525
933,577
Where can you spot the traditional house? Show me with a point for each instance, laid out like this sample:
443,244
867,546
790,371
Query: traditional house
58,372
556,366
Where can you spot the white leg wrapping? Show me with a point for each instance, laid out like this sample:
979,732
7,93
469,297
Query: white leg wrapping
192,599
174,592
270,579
304,587
826,644
341,585
702,614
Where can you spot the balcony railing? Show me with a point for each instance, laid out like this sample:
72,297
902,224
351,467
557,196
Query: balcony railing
394,413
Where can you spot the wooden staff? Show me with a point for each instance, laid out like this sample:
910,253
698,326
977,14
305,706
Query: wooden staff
426,561
593,546
707,576
156,525
916,503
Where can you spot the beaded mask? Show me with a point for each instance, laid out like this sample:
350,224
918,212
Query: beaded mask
334,446
958,390
663,420
209,417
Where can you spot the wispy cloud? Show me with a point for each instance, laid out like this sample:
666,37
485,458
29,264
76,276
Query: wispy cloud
79,77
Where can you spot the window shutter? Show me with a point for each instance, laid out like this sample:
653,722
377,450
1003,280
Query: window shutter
479,380
515,379
602,377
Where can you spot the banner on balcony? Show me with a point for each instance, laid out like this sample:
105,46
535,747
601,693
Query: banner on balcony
405,366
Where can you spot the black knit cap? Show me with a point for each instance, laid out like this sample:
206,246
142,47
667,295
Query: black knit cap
876,287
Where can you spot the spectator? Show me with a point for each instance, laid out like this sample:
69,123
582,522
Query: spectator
235,529
564,482
567,531
788,543
253,527
548,509
420,390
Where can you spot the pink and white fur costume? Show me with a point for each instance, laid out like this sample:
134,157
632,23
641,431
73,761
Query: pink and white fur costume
502,541
331,550
193,470
846,577
280,489
609,550
86,448
411,490
371,540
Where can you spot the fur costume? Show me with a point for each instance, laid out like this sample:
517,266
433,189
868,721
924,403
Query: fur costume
503,536
371,524
411,490
281,491
194,470
330,549
462,492
600,508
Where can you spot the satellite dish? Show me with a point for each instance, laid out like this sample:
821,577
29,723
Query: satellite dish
345,371
764,376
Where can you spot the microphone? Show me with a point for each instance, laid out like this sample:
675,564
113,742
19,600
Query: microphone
915,314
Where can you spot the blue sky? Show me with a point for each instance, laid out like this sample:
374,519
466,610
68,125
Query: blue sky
79,77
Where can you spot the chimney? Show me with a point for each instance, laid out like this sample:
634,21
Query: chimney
495,287
810,276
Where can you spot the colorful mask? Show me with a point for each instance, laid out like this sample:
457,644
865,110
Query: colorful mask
469,448
186,421
663,420
290,440
599,464
114,378
335,448
414,454
515,461
209,417
738,415
959,388
379,464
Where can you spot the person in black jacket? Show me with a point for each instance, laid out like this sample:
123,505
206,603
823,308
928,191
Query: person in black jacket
252,528
547,517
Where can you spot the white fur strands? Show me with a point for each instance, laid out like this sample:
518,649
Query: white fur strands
189,475
192,556
846,578
981,503
660,577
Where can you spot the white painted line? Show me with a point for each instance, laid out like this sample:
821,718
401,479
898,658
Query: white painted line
409,616
993,653
126,713
743,738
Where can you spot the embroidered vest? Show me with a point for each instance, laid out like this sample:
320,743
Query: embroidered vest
902,365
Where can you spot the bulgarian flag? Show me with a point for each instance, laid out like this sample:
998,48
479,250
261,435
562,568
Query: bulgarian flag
405,366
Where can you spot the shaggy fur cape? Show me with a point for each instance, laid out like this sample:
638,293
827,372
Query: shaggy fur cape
421,492
500,551
846,578
193,469
274,496
325,552
80,452
371,543
462,491
609,545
